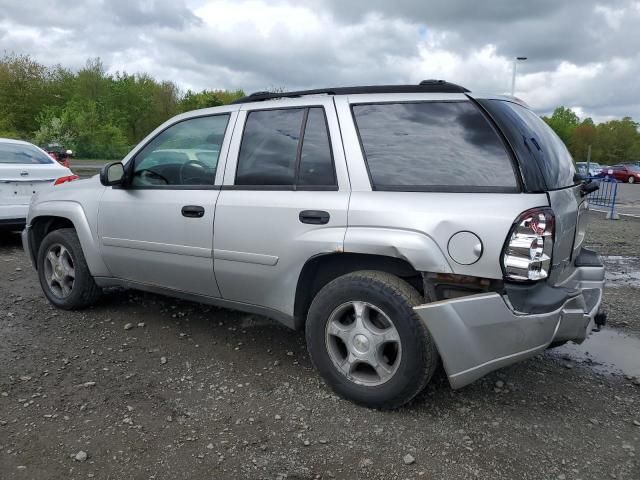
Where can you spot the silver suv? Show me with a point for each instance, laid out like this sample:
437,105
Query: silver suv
397,225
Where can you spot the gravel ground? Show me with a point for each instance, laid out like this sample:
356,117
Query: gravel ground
143,386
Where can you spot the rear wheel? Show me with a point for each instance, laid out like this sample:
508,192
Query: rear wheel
367,342
63,272
631,180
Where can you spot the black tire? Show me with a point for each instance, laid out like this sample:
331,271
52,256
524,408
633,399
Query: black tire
631,180
396,299
84,291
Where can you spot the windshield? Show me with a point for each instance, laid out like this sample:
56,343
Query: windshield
18,153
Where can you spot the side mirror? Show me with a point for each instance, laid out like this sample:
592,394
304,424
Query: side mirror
112,174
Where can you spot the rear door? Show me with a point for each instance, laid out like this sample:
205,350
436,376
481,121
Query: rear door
284,200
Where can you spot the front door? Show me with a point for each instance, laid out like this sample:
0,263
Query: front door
158,229
284,200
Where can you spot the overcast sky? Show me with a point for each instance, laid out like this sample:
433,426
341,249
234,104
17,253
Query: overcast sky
583,54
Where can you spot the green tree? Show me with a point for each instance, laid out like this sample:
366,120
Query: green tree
22,92
616,141
582,137
208,98
54,130
563,121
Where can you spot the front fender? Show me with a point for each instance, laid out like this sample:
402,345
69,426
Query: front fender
74,212
421,251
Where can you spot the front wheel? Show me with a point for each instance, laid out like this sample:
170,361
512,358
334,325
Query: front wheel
367,342
631,180
63,272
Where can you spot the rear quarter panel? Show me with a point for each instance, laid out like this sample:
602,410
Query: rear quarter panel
417,226
436,217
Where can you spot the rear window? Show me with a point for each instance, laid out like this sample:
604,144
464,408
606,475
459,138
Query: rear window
432,146
15,153
545,161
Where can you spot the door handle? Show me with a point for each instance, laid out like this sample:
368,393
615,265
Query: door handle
193,211
314,217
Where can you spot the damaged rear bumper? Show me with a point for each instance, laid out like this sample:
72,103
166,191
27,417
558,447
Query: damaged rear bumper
480,333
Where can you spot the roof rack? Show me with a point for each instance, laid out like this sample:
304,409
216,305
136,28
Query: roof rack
425,86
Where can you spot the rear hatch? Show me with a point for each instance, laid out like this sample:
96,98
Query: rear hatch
546,166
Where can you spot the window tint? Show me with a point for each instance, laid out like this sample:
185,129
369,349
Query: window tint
16,153
544,160
432,144
184,154
316,164
272,151
269,147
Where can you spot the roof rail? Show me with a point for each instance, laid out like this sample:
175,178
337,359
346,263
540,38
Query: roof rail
425,86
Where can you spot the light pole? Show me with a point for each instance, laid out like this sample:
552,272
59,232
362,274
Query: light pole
513,76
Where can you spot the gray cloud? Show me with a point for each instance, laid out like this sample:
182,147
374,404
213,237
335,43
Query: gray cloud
582,54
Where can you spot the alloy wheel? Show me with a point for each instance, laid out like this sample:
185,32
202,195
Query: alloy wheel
59,270
363,343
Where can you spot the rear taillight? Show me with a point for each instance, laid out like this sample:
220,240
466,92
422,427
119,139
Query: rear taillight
68,178
527,253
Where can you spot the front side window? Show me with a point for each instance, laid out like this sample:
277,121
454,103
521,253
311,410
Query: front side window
286,147
184,154
17,153
432,146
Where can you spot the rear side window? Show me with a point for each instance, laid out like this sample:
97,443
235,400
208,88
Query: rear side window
286,147
316,164
545,162
16,153
433,146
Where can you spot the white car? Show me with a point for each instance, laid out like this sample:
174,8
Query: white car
24,170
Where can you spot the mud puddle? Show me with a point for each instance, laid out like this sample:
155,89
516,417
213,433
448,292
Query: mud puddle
608,351
622,271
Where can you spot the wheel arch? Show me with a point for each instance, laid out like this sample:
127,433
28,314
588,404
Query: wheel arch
40,227
49,216
321,269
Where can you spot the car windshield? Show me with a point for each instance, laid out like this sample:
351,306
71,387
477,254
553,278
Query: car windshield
633,168
18,153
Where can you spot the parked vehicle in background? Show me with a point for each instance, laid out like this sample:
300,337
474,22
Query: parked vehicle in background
399,226
24,170
594,169
582,171
59,154
623,172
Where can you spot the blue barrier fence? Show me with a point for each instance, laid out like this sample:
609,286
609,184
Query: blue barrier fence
605,196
